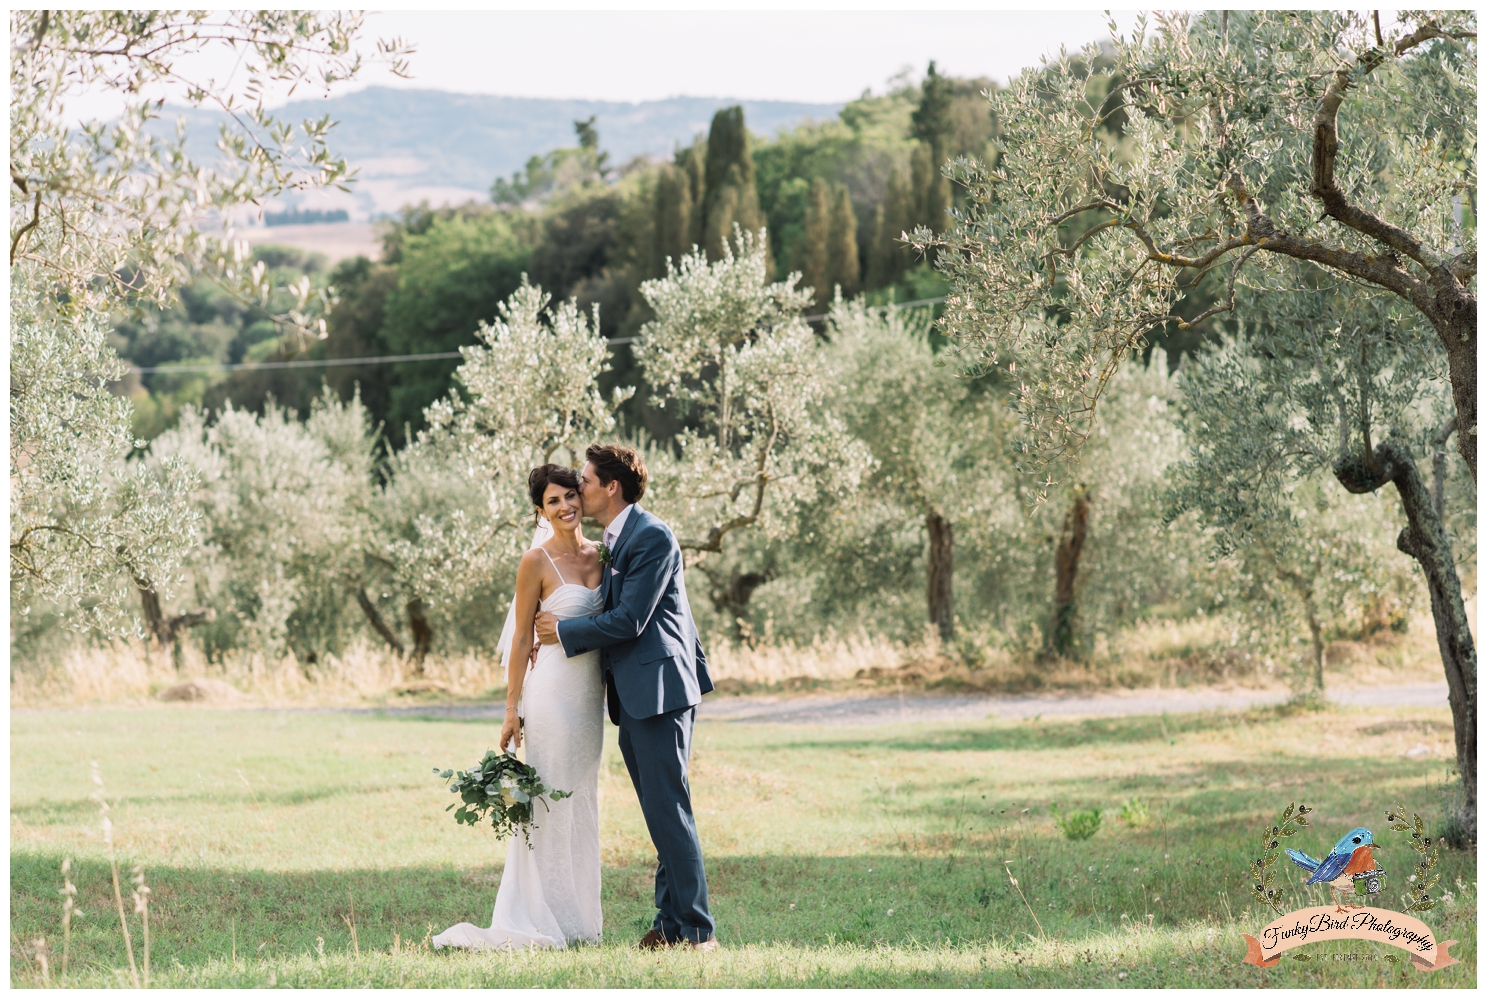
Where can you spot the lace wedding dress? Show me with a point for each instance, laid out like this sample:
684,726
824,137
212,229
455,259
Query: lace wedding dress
549,893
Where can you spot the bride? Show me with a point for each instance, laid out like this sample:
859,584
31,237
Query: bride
549,892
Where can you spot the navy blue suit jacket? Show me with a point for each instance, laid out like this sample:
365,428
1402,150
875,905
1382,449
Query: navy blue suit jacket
648,644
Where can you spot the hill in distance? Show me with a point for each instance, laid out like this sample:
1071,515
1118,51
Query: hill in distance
414,145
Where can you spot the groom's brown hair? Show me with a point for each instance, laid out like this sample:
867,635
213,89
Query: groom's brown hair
616,462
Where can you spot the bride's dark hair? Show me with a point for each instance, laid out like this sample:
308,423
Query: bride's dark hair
545,475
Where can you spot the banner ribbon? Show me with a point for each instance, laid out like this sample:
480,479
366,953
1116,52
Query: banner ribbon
1382,926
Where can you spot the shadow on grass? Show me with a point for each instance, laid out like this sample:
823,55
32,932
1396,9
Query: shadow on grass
949,892
1038,734
53,812
199,914
1034,734
1082,894
1191,799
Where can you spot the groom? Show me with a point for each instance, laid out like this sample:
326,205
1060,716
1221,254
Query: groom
655,673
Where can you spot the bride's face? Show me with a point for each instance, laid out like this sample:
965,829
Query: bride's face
562,506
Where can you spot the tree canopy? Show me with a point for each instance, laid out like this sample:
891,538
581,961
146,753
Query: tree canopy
107,217
1212,144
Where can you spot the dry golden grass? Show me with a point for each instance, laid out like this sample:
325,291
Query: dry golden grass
131,672
1192,652
787,664
1187,653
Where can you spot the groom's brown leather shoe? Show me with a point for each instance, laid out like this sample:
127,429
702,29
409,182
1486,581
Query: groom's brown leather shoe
706,946
654,941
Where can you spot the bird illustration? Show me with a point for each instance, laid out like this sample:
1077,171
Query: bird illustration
1353,854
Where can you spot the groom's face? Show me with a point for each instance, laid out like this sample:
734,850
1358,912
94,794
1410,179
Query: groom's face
596,496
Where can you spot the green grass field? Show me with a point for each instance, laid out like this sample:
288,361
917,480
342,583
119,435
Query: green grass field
836,856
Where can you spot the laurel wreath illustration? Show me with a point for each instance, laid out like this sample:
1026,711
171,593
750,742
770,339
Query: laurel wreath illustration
1263,885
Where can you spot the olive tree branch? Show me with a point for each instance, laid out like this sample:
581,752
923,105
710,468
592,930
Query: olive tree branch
1324,165
35,219
761,479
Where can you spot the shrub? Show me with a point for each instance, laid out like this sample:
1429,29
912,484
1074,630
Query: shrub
1078,825
1134,813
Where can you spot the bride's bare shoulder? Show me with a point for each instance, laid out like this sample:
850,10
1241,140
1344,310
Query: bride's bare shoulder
532,563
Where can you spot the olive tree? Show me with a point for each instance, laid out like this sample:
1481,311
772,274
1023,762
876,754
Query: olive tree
729,351
108,216
1224,143
79,514
938,439
1331,381
1327,569
284,509
454,510
1111,555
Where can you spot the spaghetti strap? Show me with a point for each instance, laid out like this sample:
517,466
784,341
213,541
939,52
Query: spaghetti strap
554,565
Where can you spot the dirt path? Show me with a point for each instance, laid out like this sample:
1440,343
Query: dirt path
880,710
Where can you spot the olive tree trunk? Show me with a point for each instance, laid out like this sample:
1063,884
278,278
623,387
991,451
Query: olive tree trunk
1318,646
1453,313
423,635
374,617
730,595
1306,588
1060,636
941,593
167,630
1425,540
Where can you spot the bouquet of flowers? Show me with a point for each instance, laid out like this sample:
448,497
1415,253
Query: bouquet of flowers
502,787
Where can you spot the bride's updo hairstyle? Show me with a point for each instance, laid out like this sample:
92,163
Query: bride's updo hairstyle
549,475
615,461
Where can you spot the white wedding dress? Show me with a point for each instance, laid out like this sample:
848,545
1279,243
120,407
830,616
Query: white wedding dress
549,892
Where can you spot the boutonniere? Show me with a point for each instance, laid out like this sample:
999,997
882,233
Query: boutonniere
604,557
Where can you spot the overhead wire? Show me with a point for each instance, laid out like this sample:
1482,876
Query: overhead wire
444,355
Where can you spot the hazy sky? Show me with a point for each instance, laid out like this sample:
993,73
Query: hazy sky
811,56
781,55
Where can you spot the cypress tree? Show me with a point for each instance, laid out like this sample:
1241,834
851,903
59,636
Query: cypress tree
935,194
690,162
722,211
729,194
921,179
878,262
931,119
588,141
673,217
888,257
845,266
817,245
932,127
937,200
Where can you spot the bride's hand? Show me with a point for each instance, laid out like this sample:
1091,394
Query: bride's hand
510,732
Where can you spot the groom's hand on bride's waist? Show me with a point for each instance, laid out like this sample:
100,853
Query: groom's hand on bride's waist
547,628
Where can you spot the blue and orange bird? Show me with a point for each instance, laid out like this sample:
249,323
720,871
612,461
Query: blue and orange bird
1353,854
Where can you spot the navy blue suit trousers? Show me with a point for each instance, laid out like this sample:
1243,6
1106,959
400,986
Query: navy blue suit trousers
656,752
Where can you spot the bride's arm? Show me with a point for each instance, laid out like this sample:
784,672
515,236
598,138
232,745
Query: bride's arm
528,594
